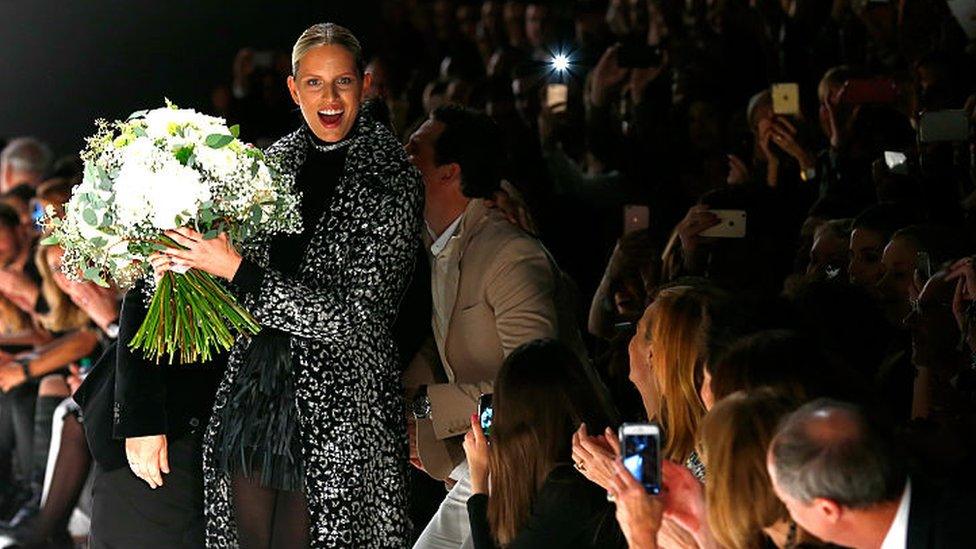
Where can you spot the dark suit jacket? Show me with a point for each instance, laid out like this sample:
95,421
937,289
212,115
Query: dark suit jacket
125,395
939,517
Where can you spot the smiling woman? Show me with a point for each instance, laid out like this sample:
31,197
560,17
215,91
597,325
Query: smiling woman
328,80
306,443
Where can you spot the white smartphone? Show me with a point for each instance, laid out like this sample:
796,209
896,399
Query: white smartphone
557,95
896,162
732,224
641,447
636,218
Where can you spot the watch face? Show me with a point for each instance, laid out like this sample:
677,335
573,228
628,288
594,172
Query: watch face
112,330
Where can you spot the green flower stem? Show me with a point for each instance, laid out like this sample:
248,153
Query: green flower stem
191,315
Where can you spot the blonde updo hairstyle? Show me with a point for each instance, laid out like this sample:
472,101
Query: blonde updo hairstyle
327,34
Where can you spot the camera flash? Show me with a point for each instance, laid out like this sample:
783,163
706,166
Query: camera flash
560,62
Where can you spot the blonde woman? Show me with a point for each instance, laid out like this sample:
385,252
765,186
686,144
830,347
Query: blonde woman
736,508
307,445
667,360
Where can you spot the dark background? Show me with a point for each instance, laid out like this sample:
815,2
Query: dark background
65,63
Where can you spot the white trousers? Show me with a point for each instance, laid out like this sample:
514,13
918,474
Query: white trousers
450,529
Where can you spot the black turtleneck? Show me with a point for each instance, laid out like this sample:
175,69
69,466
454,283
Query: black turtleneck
316,180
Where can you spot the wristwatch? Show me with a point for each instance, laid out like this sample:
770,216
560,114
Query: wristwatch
25,366
421,404
112,330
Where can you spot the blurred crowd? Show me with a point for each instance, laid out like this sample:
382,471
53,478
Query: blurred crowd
766,212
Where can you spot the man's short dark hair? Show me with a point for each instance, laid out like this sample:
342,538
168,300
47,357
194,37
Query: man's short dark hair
885,218
471,140
831,449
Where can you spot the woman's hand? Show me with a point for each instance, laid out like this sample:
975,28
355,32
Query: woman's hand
215,256
964,273
594,456
148,458
684,499
738,171
607,74
101,304
783,133
638,512
697,220
476,450
11,376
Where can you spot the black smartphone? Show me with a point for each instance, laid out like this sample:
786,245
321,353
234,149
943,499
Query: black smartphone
485,413
641,445
632,55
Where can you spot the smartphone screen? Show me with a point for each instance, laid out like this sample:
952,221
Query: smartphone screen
37,214
485,413
641,446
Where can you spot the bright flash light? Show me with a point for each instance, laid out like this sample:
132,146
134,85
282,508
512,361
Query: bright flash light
560,62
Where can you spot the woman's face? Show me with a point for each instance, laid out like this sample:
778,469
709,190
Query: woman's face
895,285
866,249
329,90
708,399
640,354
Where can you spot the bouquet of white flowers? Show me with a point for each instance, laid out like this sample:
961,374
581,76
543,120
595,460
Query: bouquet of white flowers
159,170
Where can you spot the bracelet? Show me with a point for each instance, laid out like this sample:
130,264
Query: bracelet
25,367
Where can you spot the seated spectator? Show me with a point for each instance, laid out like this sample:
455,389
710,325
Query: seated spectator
842,478
666,365
870,232
631,276
828,255
911,250
24,160
536,497
736,508
782,359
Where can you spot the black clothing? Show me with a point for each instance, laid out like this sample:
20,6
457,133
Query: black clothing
127,513
125,395
938,517
261,436
569,511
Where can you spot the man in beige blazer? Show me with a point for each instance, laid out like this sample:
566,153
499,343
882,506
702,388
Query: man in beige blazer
494,287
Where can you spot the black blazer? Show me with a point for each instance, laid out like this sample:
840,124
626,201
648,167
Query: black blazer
125,395
569,512
940,516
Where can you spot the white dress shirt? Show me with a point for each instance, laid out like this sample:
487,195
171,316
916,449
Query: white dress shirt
444,276
897,536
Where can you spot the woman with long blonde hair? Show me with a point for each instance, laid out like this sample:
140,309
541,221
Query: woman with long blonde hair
667,361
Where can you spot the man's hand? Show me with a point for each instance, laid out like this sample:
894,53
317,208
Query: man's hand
414,452
148,458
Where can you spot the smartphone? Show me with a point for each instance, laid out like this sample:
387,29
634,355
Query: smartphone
635,55
897,162
641,446
485,413
863,91
732,224
37,214
557,95
786,98
948,125
636,218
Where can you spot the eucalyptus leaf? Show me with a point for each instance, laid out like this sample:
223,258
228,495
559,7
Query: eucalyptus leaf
89,216
216,140
210,235
51,240
139,130
235,130
138,114
98,242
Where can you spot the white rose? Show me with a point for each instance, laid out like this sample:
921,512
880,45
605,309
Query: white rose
174,190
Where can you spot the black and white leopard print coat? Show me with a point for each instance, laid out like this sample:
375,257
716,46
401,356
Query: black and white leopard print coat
338,311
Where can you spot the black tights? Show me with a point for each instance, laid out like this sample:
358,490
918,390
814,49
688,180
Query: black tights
268,518
70,473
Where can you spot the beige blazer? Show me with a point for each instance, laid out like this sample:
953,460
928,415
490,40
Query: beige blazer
510,292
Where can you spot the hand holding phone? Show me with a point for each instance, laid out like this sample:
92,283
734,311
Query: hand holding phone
485,413
640,444
636,218
786,98
557,96
732,224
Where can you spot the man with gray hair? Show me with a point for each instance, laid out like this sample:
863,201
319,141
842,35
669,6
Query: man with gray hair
843,480
24,160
